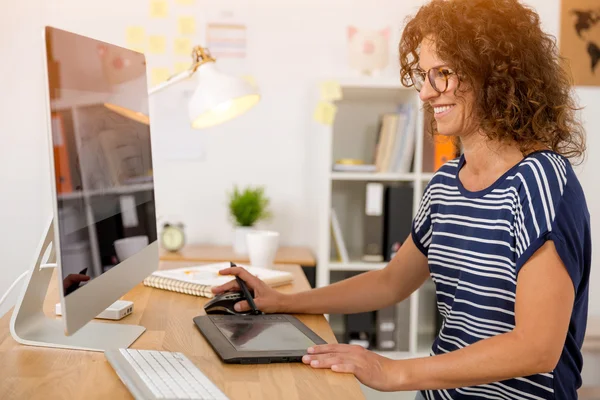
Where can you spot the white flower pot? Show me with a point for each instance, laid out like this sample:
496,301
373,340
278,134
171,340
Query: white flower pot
240,245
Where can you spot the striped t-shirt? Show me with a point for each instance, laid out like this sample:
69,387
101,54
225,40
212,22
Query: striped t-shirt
476,244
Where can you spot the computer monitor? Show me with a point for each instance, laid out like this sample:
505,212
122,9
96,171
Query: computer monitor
105,231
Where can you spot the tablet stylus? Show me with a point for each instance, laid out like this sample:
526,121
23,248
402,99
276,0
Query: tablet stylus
246,292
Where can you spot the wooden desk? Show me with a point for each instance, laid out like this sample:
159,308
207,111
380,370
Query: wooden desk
43,373
210,253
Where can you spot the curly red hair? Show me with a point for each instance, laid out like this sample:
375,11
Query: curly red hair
522,90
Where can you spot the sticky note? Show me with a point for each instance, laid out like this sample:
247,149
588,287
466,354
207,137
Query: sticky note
185,2
183,46
325,113
187,25
250,79
157,44
331,91
182,66
159,75
135,36
159,8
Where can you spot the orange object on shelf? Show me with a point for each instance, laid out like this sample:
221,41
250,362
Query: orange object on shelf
444,150
64,184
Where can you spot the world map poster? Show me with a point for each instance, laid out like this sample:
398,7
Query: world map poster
580,40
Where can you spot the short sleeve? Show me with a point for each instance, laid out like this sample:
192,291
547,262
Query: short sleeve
558,212
421,225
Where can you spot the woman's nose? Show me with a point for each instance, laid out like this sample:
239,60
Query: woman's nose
427,91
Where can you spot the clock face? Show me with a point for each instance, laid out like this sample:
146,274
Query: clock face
173,238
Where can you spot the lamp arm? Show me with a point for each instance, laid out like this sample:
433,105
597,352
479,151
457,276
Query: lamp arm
200,56
171,81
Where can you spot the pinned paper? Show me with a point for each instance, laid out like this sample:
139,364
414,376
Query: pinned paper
158,44
187,25
250,79
159,8
331,91
182,66
325,113
136,35
185,2
183,46
160,75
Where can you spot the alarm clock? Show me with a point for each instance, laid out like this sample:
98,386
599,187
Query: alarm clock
173,237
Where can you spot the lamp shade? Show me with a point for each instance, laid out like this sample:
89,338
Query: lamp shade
219,97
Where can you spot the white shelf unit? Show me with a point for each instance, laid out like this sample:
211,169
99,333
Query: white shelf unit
353,135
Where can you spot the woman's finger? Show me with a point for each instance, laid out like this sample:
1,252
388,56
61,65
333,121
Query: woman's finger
308,358
332,348
231,285
344,368
327,362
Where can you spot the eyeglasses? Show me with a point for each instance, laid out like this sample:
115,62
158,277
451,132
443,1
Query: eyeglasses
438,78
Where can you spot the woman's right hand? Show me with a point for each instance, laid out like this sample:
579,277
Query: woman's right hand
266,299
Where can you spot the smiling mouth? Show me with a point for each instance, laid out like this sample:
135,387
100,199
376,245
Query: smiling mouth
442,109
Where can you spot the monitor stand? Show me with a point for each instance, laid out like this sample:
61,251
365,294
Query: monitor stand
30,326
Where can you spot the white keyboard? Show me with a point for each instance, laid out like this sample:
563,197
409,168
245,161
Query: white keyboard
152,375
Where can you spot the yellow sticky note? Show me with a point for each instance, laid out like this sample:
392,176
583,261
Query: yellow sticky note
157,44
250,79
182,66
159,75
325,113
159,8
185,2
331,91
135,36
187,25
183,46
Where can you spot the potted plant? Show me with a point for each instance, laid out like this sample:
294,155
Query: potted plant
246,208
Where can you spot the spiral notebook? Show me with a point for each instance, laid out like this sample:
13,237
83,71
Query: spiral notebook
199,280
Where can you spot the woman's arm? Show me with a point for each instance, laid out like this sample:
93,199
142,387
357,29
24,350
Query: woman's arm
366,292
544,302
370,291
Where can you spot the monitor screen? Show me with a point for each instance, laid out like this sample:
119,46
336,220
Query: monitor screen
102,155
264,335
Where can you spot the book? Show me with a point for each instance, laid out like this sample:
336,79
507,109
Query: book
405,140
397,224
340,245
385,141
373,219
199,280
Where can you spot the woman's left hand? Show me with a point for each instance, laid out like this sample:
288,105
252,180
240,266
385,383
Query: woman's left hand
371,369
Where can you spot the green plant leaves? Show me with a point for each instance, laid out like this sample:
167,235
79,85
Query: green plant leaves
248,206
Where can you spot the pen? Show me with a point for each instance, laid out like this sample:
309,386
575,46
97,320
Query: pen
246,292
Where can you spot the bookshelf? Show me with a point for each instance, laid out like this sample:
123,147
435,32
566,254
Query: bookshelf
354,135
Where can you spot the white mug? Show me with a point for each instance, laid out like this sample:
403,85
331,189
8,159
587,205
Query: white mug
262,248
130,246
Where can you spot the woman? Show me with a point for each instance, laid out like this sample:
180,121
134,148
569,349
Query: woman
503,230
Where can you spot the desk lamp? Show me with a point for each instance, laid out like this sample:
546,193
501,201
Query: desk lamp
217,98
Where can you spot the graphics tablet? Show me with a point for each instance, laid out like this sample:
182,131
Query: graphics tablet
257,339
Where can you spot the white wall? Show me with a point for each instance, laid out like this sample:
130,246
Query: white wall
291,45
24,177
